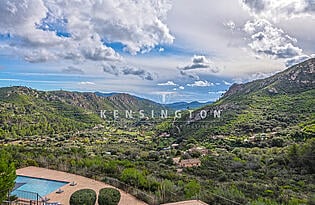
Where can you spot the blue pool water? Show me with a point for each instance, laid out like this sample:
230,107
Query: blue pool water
24,185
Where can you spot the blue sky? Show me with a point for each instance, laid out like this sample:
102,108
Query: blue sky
175,49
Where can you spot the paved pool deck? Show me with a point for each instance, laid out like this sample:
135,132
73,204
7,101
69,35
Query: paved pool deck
189,202
82,183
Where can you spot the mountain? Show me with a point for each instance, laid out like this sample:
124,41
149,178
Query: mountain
25,111
123,98
283,104
123,101
186,105
296,79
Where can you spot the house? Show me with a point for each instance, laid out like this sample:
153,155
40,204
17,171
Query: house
176,160
190,162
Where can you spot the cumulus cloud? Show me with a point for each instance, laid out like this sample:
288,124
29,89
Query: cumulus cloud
138,72
277,9
168,83
201,83
201,62
119,70
266,39
79,30
20,17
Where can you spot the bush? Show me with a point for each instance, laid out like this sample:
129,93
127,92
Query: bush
133,177
108,196
83,197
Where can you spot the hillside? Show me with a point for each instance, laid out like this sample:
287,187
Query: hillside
282,104
123,101
25,111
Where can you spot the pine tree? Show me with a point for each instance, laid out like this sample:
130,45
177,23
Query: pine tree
7,174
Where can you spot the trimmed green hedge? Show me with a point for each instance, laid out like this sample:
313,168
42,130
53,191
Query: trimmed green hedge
83,197
108,196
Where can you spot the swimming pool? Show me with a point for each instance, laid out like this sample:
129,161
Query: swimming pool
24,185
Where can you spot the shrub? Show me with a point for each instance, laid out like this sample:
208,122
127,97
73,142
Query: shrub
108,196
83,197
133,177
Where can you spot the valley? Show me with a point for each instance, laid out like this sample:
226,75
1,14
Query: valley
260,150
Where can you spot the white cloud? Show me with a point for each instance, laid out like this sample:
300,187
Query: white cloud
33,26
20,17
267,40
277,9
201,83
121,70
168,83
201,62
86,83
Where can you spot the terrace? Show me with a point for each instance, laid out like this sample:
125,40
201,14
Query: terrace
67,190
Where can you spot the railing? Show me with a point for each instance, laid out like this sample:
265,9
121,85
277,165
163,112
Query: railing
23,202
25,198
150,199
15,203
27,195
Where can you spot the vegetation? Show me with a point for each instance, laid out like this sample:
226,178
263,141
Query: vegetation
108,196
83,197
261,150
7,174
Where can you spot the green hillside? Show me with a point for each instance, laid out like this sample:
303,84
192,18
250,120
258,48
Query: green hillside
282,104
27,112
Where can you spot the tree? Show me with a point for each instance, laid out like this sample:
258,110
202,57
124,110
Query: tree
166,190
192,189
109,196
133,177
7,175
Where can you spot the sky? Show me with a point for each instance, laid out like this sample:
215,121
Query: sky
163,50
